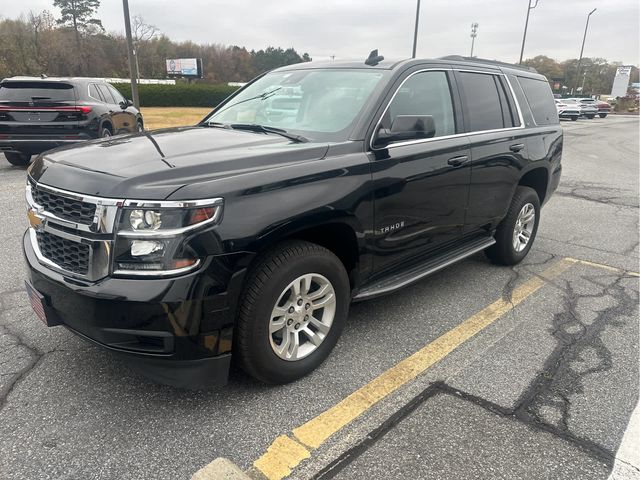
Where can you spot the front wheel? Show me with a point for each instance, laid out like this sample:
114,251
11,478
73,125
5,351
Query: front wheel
602,115
18,159
591,117
517,231
573,119
292,311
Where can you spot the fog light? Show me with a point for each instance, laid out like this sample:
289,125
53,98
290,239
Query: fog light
140,248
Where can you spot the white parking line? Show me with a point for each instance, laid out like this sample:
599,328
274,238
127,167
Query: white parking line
627,463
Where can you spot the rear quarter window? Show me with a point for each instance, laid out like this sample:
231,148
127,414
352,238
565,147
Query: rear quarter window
36,91
540,100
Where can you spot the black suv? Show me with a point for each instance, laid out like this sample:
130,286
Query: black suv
313,186
37,114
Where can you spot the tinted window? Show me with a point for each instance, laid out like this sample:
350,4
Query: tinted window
424,93
36,91
106,94
93,92
116,94
482,104
540,99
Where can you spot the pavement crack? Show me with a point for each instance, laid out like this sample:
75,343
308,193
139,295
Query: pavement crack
31,360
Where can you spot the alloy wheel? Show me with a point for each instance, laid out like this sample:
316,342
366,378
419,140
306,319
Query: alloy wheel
302,317
523,228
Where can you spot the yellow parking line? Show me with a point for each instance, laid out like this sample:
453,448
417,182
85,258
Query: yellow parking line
286,453
606,267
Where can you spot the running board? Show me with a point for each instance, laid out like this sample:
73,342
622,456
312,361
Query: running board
395,282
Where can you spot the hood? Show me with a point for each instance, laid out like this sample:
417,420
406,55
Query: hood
152,165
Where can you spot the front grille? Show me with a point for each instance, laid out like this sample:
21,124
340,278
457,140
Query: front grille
64,207
71,256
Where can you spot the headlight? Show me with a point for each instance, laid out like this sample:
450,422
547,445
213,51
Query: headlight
151,236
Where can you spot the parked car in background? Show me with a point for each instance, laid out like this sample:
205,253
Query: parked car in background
37,114
604,109
587,106
567,110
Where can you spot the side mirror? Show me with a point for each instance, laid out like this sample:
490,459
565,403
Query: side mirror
407,127
125,104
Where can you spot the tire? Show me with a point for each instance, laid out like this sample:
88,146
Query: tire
573,119
139,126
602,115
504,252
267,288
591,117
18,159
106,132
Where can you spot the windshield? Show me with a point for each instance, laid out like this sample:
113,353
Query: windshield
319,104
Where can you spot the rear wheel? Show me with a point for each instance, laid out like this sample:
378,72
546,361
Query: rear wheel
105,132
18,159
139,126
602,115
292,312
517,231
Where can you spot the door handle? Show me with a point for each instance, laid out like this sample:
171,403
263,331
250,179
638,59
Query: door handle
458,161
517,147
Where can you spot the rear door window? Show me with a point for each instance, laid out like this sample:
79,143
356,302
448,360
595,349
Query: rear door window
425,93
40,92
116,94
483,102
106,94
540,99
95,93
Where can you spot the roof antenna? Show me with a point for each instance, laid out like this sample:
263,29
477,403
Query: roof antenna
374,58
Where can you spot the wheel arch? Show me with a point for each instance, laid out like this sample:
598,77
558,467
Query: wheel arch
342,235
538,179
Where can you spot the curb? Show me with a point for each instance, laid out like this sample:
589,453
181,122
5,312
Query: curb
220,469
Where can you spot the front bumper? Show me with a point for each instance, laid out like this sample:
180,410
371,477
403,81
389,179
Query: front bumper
177,331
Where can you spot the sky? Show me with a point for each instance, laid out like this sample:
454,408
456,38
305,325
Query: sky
351,29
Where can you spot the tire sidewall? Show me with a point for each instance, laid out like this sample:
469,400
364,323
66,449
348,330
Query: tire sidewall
18,159
104,130
527,195
273,368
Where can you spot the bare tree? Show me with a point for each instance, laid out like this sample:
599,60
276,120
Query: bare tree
143,31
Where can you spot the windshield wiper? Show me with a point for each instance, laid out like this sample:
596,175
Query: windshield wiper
254,127
262,96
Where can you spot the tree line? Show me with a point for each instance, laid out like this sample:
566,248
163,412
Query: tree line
76,44
596,74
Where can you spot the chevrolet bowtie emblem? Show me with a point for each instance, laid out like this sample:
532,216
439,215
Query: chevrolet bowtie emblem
34,220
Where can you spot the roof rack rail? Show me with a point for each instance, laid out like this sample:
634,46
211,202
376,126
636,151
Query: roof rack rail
460,58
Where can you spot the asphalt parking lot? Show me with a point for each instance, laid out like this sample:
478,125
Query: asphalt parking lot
478,371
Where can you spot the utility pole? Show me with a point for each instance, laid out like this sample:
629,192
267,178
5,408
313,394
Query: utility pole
584,38
415,33
526,24
133,71
474,34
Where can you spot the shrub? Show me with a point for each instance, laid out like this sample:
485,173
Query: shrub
180,95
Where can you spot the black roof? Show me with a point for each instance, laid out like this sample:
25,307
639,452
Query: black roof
391,64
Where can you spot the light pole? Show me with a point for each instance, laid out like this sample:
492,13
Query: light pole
415,32
132,60
584,38
474,34
526,24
